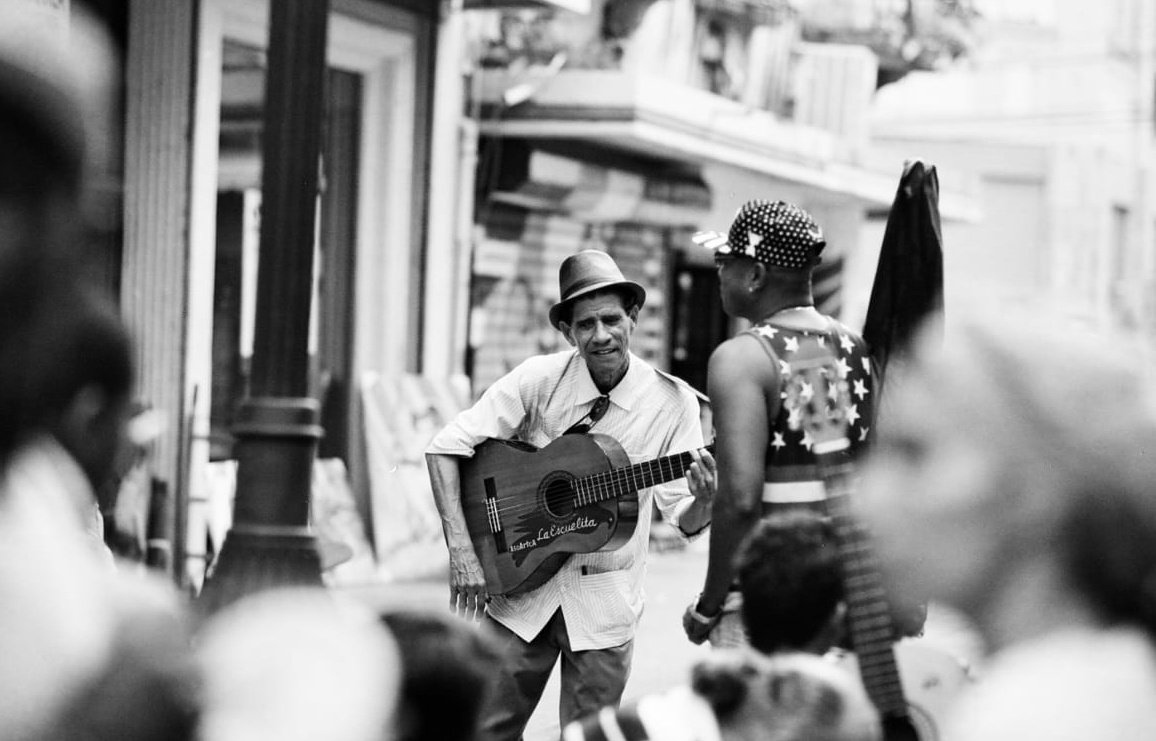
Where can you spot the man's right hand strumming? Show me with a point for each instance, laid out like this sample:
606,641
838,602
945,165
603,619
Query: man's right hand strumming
468,595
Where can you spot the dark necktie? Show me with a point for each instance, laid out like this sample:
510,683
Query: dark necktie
597,410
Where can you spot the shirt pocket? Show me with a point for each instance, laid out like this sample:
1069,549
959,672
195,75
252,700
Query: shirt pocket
609,598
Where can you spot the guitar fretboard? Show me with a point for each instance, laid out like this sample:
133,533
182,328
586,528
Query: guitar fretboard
601,487
868,614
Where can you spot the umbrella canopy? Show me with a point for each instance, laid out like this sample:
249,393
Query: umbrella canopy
908,287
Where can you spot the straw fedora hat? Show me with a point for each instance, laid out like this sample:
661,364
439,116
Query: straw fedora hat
586,272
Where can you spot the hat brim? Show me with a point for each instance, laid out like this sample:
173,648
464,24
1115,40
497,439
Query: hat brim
557,309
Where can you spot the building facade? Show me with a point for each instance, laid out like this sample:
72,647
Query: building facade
183,248
1053,117
627,128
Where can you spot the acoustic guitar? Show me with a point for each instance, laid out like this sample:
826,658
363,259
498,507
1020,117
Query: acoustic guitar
527,509
910,705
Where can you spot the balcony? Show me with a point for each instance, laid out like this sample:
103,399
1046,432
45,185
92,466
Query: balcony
656,117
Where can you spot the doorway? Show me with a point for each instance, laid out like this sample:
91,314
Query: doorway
698,323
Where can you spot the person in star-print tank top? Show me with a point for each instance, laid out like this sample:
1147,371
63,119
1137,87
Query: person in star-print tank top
765,462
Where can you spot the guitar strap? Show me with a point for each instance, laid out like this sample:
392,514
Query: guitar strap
590,418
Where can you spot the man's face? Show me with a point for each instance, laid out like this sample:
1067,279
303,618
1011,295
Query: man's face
732,282
600,328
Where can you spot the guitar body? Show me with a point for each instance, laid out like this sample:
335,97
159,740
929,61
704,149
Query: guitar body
526,510
931,680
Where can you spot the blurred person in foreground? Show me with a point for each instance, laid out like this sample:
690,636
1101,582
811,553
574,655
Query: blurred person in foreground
583,616
795,598
741,695
788,573
80,645
1014,479
84,646
765,463
296,664
447,662
76,379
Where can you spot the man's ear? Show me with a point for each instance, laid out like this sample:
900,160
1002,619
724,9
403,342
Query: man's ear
564,328
83,416
758,275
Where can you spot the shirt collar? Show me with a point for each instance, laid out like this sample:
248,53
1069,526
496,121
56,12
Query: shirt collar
625,394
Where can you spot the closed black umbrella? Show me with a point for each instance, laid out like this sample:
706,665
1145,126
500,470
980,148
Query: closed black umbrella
908,288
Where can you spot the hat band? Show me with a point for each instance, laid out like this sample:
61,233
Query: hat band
586,283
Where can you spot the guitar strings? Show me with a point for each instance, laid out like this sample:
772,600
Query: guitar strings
604,484
601,487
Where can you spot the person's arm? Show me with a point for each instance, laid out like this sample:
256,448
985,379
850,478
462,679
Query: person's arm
467,582
690,514
498,413
737,376
701,481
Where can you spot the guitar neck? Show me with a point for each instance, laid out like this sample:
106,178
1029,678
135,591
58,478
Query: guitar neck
868,613
608,485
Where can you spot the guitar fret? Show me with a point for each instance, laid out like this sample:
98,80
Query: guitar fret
871,626
874,634
877,665
863,579
870,610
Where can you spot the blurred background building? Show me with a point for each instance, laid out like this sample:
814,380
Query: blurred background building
469,145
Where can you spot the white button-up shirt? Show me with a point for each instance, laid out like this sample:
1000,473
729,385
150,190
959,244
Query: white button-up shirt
651,416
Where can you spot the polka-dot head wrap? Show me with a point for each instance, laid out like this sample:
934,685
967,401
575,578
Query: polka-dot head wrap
775,233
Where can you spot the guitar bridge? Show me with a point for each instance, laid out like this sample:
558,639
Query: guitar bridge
495,522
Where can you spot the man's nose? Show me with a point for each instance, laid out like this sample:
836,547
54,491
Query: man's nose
601,332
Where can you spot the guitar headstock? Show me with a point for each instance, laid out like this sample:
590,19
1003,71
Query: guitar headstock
818,398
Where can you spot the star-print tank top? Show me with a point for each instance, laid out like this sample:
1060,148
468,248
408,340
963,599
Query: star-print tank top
789,455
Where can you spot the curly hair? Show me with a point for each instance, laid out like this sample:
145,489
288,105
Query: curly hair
789,575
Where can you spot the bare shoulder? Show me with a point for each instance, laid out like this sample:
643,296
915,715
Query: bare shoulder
742,359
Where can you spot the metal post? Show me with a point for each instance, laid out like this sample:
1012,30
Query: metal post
277,427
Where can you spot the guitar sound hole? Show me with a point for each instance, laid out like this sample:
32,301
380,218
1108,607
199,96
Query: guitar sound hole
558,495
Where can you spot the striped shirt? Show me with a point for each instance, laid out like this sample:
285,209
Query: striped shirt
650,415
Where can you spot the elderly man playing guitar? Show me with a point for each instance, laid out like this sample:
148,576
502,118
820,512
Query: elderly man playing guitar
540,541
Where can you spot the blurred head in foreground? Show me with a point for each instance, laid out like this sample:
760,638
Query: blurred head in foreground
447,662
786,697
792,585
295,664
742,695
1014,473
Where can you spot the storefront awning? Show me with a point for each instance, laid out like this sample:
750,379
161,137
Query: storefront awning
659,118
600,194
